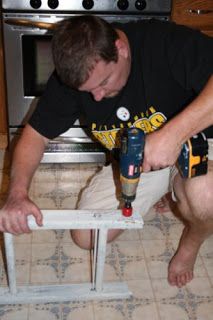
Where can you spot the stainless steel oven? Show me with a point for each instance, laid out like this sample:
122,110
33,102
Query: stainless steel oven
27,27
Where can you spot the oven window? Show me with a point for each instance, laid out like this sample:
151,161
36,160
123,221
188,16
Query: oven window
37,63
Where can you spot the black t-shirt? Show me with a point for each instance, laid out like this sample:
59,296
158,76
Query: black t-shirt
170,66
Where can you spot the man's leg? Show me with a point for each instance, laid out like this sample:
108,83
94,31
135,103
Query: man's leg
195,203
102,193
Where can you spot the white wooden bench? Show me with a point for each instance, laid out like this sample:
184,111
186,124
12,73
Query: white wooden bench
100,222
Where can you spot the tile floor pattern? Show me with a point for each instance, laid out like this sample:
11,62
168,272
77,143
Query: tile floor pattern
138,257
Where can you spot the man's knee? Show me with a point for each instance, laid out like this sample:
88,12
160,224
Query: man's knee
85,238
195,196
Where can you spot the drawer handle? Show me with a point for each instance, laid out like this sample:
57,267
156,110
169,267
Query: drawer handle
30,23
199,11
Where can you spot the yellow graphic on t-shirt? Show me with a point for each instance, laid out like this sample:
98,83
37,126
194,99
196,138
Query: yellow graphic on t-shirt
150,124
149,121
107,137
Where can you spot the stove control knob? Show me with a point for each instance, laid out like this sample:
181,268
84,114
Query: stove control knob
35,4
123,4
53,4
140,4
88,4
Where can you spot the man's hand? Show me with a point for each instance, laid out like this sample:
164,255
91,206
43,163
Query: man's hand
26,158
162,147
13,216
161,150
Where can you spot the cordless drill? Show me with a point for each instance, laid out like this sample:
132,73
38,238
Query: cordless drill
191,162
131,157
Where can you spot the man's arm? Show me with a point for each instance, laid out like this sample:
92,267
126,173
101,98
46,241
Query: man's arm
26,158
163,147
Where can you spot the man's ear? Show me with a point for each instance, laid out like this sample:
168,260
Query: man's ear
122,48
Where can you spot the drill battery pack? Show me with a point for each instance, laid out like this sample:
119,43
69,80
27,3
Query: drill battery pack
193,159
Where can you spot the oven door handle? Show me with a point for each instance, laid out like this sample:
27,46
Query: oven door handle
30,24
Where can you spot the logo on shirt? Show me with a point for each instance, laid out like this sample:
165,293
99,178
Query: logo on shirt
123,114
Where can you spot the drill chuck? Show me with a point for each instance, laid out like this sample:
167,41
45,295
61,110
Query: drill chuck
127,209
129,187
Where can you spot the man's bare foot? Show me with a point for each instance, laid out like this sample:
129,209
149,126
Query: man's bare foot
163,205
182,264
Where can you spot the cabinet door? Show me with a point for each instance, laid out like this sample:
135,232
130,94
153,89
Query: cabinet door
194,13
3,116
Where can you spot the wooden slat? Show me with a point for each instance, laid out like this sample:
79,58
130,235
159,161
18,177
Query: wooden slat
63,293
86,219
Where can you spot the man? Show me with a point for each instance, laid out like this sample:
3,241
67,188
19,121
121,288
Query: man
153,75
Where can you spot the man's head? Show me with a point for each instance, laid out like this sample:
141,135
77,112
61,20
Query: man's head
90,55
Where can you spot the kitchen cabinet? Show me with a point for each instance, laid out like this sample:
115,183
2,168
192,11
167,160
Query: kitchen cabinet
194,13
3,113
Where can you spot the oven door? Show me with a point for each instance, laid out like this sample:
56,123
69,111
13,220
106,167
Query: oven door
27,45
28,63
